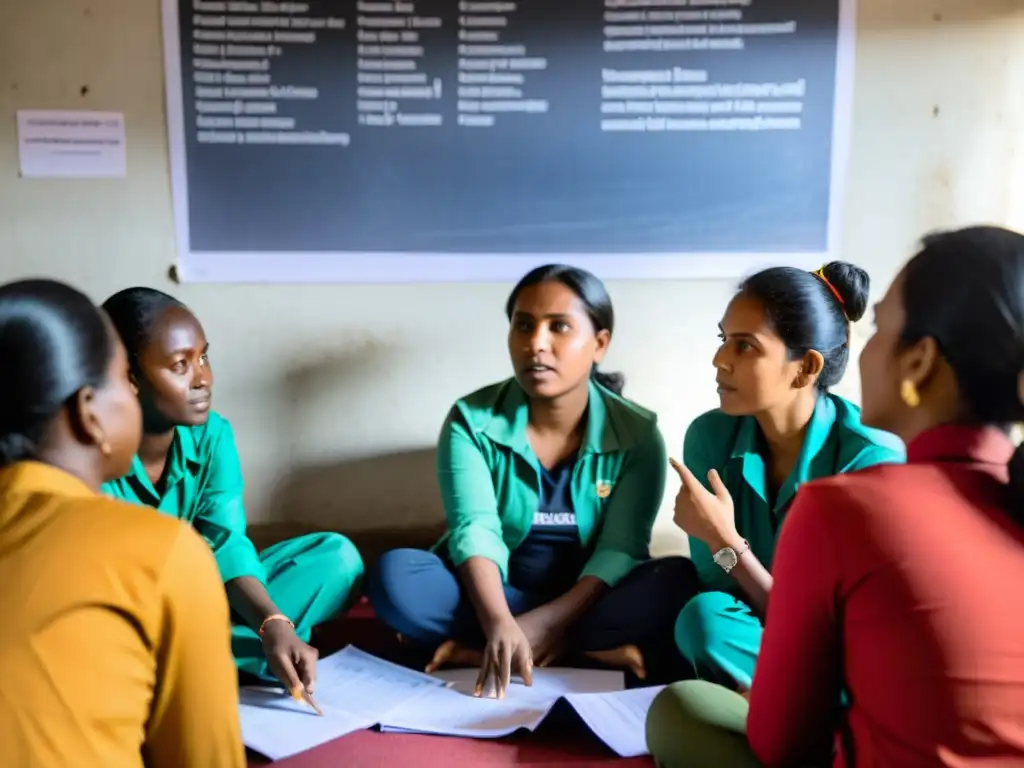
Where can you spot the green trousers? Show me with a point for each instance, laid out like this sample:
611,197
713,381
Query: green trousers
721,636
310,579
697,724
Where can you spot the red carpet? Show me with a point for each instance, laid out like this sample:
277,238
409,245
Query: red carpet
561,744
367,749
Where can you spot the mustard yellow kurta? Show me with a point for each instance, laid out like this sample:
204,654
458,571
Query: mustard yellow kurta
114,633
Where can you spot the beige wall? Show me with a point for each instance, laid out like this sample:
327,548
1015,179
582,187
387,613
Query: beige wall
337,392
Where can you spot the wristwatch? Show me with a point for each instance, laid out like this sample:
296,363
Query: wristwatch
727,557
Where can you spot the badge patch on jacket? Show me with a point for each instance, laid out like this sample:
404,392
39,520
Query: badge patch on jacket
604,489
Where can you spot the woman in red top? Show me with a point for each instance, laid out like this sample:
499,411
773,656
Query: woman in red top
899,584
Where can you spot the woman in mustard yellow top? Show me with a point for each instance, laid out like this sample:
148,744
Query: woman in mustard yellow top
115,640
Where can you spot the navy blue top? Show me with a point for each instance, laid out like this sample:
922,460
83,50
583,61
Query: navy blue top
550,559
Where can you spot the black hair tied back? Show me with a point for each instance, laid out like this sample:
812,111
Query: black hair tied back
53,342
133,312
15,446
965,290
594,296
813,311
849,285
613,382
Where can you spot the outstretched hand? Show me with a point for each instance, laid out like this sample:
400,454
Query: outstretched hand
708,517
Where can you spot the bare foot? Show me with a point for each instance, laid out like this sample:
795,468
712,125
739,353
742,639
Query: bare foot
624,657
452,654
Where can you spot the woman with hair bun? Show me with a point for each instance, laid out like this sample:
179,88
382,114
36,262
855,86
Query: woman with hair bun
899,584
784,344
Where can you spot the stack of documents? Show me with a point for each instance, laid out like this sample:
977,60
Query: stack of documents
356,690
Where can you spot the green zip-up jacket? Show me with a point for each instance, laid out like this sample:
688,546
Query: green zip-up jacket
490,479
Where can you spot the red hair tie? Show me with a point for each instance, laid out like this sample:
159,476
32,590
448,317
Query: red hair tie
820,274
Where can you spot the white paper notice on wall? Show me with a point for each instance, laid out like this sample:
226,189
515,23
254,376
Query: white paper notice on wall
71,144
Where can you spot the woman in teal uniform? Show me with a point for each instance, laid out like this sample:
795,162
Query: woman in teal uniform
785,342
551,481
188,467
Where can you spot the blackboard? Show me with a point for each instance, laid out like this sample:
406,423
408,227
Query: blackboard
461,139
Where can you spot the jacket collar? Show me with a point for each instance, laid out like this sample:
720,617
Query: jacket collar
748,447
182,458
511,415
958,442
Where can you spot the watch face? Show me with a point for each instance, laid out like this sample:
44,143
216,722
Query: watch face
726,558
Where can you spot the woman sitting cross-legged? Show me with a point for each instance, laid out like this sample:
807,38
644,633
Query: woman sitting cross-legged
551,482
785,344
188,467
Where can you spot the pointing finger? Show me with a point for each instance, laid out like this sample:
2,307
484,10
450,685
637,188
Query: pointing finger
717,485
305,665
686,476
679,468
484,676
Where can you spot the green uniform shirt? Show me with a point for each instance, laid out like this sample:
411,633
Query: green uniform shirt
490,479
835,442
203,488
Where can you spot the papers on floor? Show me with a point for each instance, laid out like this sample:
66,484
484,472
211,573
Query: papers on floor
356,690
276,726
615,716
454,711
556,681
619,719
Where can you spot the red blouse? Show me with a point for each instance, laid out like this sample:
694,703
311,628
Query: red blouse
904,586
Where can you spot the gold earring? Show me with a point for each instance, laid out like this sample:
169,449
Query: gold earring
909,394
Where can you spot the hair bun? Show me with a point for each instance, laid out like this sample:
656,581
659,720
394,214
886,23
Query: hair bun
14,446
852,284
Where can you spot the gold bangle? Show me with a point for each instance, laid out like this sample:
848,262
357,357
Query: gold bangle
274,617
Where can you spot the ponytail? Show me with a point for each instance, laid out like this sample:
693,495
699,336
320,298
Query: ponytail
15,446
613,382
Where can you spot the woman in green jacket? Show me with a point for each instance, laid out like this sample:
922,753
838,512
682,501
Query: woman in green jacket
551,482
785,343
188,467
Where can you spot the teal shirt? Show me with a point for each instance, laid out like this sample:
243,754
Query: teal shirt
204,488
835,442
490,479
